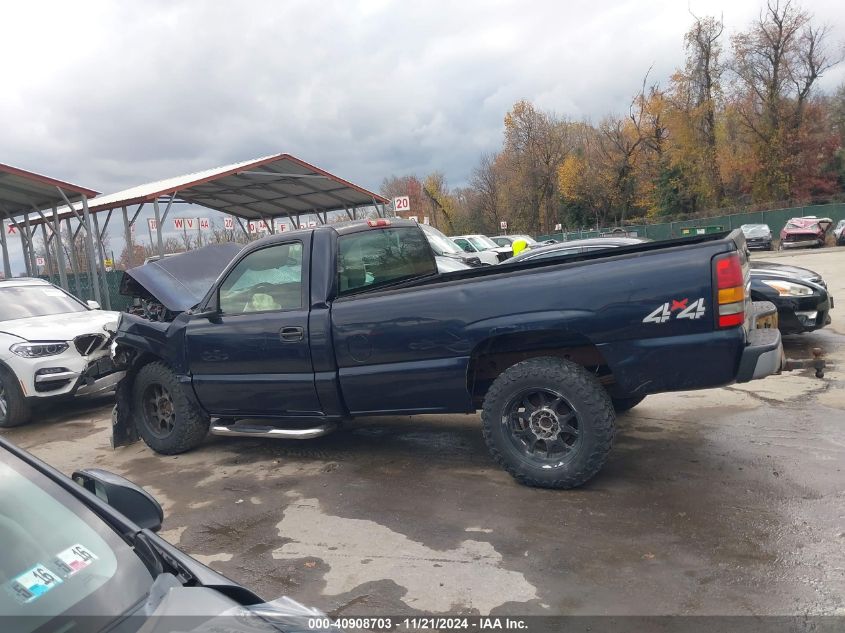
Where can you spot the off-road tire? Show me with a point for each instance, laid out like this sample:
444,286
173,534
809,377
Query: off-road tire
621,405
190,424
582,391
17,408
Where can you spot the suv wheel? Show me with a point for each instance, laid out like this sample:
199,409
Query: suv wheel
14,409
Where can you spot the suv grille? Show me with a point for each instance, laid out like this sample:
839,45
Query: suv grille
89,343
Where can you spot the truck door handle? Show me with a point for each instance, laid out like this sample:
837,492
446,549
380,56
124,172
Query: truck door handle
291,334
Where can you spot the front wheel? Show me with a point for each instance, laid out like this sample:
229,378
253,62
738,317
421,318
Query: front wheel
14,409
548,422
166,419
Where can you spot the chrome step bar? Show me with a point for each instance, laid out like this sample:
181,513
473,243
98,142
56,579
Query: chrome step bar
238,430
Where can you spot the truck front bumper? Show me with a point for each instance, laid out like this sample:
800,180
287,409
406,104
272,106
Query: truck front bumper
762,356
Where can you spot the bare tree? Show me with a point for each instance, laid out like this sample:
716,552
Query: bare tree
776,64
487,182
699,87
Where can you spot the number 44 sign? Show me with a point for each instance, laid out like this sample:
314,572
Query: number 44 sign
684,309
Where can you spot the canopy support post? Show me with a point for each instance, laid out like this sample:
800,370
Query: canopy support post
102,261
60,251
48,256
158,229
29,233
26,260
4,244
243,228
127,237
85,222
74,265
89,246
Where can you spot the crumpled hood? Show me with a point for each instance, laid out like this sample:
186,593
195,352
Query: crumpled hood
62,327
181,281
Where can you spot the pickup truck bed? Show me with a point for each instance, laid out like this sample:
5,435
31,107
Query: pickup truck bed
337,322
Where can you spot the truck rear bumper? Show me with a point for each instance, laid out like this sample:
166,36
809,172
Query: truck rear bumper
762,356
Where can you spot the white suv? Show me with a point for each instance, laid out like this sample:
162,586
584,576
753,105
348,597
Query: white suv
51,345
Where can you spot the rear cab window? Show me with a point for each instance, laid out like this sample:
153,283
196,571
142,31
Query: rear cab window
376,258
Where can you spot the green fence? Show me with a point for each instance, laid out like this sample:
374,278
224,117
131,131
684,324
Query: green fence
80,287
774,218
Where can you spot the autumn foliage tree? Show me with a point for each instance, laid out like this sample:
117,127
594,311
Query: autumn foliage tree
740,123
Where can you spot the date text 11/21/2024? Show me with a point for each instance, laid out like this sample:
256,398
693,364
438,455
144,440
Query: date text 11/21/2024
421,623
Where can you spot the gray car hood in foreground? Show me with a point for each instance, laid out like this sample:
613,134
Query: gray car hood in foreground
181,281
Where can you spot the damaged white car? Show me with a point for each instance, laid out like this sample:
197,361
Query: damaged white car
51,346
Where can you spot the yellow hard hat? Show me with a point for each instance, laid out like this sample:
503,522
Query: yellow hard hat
519,246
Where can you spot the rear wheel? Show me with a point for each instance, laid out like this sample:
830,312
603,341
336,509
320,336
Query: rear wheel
14,409
548,422
166,418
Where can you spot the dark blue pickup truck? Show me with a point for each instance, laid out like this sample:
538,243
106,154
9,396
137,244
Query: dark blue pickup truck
305,329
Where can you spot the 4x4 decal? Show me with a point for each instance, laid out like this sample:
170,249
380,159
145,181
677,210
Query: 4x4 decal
683,308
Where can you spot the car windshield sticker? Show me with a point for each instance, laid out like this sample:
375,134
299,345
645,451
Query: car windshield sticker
34,583
74,559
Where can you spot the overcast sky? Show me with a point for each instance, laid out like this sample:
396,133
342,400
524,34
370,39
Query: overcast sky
114,94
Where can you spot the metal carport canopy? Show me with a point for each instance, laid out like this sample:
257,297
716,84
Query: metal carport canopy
23,192
268,187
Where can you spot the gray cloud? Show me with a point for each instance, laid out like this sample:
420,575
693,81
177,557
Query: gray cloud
113,94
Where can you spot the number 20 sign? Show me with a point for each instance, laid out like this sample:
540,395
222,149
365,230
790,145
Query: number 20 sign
402,203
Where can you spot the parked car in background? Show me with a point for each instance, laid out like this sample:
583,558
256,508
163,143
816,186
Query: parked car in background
508,240
839,233
51,346
805,232
479,244
757,236
800,295
82,554
443,247
575,247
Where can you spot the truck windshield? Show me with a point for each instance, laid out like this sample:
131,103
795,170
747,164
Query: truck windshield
58,557
373,258
22,302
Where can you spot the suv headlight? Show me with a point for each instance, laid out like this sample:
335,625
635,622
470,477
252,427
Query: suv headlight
787,288
38,350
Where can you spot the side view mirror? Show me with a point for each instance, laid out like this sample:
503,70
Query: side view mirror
211,309
92,304
135,503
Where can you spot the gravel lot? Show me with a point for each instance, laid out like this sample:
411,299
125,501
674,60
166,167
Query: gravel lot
726,501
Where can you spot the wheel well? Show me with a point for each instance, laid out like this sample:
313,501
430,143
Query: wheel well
494,355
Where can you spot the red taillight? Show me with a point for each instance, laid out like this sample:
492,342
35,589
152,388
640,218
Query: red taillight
379,222
728,271
730,290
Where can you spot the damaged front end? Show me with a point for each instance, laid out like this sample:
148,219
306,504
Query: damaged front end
136,342
153,328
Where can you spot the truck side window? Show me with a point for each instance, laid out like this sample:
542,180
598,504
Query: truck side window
374,258
265,280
